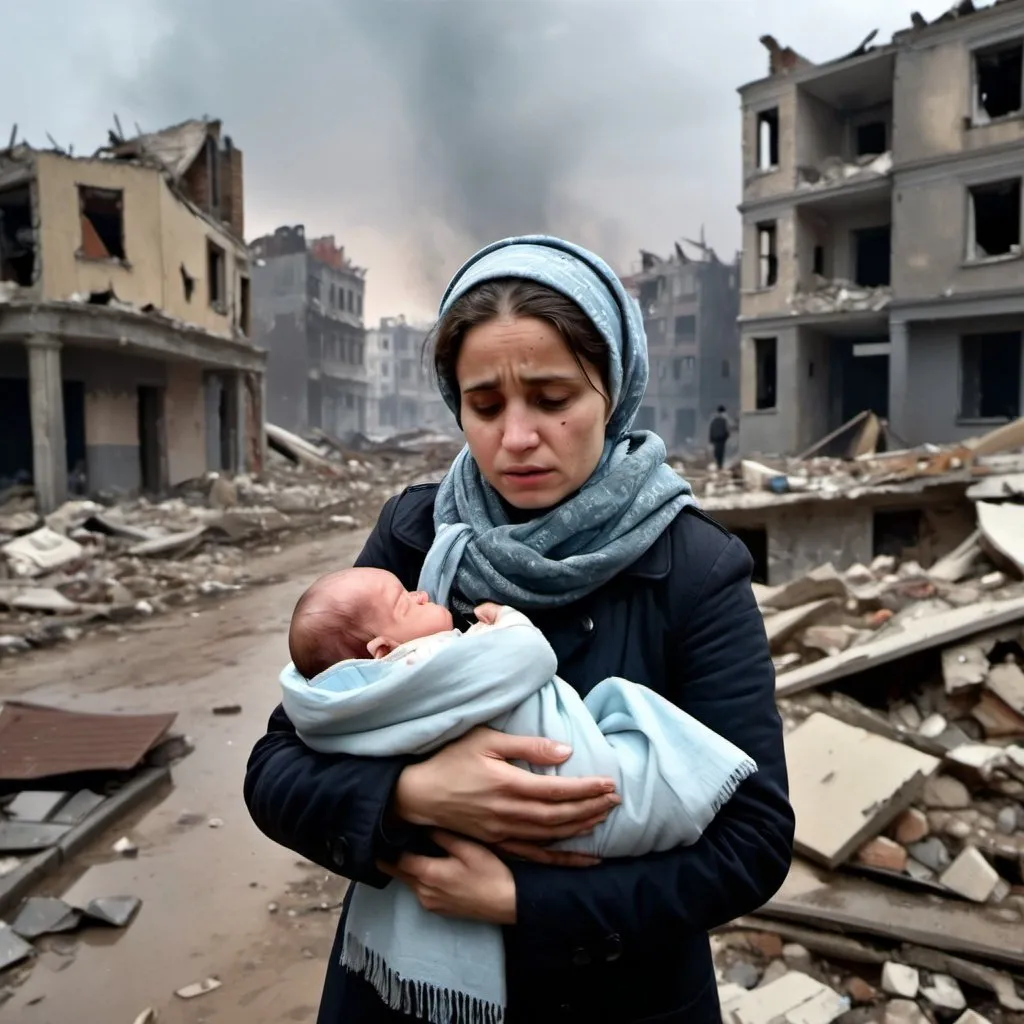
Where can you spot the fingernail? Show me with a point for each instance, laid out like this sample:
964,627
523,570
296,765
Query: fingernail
609,787
615,799
560,750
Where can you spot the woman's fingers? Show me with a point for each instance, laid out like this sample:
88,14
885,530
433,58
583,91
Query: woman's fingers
526,821
557,789
541,855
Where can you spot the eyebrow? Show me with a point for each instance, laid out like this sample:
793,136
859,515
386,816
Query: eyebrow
539,380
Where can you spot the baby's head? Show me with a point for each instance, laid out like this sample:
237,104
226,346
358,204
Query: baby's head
355,612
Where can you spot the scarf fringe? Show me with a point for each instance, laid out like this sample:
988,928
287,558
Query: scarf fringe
426,1001
725,794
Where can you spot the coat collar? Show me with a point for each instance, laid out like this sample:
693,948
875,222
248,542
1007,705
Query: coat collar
413,525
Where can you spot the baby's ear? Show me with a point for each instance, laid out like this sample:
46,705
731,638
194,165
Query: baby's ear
381,646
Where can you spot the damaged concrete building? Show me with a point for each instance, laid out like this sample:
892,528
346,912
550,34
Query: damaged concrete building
882,260
125,358
403,392
308,315
690,307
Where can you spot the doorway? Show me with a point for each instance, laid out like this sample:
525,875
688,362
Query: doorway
865,379
151,439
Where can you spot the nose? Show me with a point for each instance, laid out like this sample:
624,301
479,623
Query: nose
519,434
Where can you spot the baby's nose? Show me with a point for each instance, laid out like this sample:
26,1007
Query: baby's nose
421,597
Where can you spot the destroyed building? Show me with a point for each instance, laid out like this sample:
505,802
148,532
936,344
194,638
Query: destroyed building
125,358
882,235
308,315
403,392
689,307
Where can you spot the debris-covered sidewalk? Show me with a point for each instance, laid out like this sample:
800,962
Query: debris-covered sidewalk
95,564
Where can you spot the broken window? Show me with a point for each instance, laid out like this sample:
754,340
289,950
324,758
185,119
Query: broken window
872,139
649,291
102,215
873,256
359,306
188,283
685,329
995,219
768,139
768,258
999,83
17,239
766,361
990,367
819,261
215,280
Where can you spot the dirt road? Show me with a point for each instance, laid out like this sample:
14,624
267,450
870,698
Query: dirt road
206,891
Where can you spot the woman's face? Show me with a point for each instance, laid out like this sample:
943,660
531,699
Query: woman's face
533,419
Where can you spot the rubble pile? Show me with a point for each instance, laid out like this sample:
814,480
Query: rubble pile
94,563
839,296
834,170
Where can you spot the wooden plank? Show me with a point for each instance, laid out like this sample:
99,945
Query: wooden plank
851,905
916,635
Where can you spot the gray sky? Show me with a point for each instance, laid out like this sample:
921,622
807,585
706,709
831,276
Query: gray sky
416,130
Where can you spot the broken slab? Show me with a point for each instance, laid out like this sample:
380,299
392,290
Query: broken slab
1006,681
971,876
914,636
960,562
37,599
175,543
817,585
964,667
847,785
13,948
43,550
35,805
29,837
795,998
900,980
1002,531
783,625
44,915
997,718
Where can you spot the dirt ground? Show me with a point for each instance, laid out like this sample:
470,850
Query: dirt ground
219,900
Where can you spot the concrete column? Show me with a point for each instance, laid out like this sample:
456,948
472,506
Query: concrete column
261,419
46,401
899,380
238,407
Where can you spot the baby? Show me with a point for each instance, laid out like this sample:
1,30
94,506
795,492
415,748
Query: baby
358,612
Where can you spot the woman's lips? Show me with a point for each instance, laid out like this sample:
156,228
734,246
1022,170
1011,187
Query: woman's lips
527,476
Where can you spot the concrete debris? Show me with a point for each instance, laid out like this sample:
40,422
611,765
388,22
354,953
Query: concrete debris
900,980
835,170
98,564
840,296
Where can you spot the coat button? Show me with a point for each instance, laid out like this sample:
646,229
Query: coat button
587,623
581,957
612,948
339,851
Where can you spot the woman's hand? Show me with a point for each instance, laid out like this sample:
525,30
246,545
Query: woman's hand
471,882
469,788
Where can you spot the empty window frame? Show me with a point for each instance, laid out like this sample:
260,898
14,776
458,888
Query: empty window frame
767,255
245,305
990,366
768,139
999,82
685,329
685,368
872,139
766,372
872,256
215,275
17,236
102,216
994,219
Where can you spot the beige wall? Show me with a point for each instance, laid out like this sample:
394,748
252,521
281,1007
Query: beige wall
756,301
160,234
761,184
111,418
933,95
184,414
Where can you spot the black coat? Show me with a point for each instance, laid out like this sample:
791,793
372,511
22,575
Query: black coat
626,941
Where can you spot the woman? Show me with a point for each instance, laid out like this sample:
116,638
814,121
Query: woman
542,356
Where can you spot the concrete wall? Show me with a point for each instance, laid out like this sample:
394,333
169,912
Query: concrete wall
934,90
931,233
185,416
932,401
820,131
761,184
160,234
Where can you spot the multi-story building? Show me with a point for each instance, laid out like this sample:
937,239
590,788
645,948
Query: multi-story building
882,259
403,392
690,308
125,357
308,314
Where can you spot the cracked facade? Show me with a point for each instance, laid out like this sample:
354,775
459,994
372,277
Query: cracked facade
308,314
125,358
882,235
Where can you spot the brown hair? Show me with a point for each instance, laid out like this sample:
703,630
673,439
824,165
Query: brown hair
516,297
326,627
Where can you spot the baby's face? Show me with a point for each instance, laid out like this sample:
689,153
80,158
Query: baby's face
401,615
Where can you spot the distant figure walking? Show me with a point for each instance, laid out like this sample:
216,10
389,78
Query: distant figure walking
718,435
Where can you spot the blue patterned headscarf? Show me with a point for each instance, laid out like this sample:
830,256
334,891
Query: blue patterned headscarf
631,497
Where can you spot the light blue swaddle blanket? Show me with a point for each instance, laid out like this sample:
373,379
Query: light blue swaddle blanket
672,772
